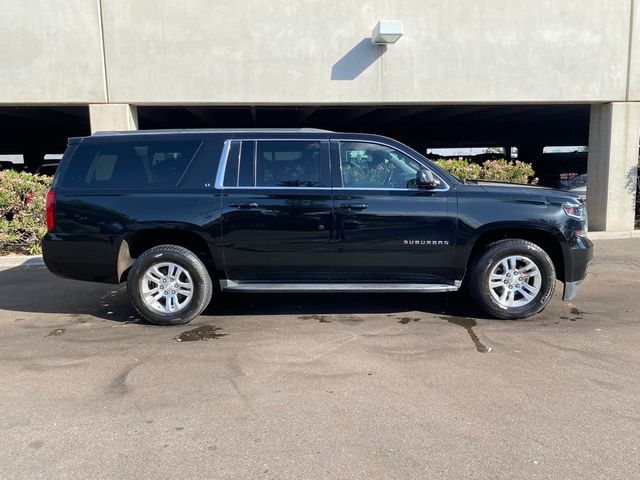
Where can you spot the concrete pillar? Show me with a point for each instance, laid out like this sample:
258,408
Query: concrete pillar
113,116
614,134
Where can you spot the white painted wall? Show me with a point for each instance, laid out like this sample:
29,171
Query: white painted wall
50,52
252,51
315,51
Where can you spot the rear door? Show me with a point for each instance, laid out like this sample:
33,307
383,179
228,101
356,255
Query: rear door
277,211
387,230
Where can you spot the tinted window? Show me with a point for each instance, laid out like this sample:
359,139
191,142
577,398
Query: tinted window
292,164
130,164
370,165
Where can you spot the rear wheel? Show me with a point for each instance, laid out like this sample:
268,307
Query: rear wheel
512,279
169,285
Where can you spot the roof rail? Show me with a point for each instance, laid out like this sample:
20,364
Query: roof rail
209,130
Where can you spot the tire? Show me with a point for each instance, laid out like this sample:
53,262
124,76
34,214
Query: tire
506,266
175,283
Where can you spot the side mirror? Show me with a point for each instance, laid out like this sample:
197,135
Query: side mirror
426,180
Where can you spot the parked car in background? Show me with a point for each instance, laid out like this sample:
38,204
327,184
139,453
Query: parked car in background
12,162
578,185
50,164
563,168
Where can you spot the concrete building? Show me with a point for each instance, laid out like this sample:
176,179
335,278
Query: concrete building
523,73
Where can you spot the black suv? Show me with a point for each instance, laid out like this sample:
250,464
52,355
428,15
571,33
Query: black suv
181,214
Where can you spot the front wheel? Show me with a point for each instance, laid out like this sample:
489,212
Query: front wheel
169,285
512,279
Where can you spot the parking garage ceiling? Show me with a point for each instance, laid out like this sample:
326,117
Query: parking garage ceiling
38,130
419,126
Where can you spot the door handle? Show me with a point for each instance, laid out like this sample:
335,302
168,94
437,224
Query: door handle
244,205
354,206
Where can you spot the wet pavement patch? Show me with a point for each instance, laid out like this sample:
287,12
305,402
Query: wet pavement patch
350,320
468,324
56,333
204,332
405,320
320,318
577,314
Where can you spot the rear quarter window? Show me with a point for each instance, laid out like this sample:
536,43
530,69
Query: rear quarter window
129,164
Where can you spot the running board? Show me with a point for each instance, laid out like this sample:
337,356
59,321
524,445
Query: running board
233,286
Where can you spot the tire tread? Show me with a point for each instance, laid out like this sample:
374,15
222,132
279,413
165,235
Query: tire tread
196,263
483,261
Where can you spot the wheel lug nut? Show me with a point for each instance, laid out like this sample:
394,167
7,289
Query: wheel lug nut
172,279
520,279
505,282
164,280
517,285
166,293
173,292
510,287
508,274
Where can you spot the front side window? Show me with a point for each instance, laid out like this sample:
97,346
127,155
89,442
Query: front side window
371,165
291,164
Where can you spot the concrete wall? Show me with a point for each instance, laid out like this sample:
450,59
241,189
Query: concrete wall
50,52
634,54
113,116
316,51
613,159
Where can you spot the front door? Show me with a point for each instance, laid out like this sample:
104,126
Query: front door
277,211
387,230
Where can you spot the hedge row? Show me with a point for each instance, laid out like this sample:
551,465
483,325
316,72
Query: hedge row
22,211
496,170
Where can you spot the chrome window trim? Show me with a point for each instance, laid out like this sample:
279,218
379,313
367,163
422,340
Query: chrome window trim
222,166
379,189
346,140
278,188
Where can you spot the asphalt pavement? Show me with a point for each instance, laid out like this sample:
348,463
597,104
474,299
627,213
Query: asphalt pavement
321,386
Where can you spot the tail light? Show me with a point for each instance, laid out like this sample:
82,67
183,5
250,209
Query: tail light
50,210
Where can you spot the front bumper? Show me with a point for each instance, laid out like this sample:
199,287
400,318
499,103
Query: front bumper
570,290
577,263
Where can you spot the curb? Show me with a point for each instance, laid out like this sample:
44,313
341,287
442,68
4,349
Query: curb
613,235
21,261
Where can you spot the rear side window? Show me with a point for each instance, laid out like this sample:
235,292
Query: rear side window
130,164
291,164
278,163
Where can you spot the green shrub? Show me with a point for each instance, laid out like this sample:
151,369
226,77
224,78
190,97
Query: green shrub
22,211
506,171
461,168
495,170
